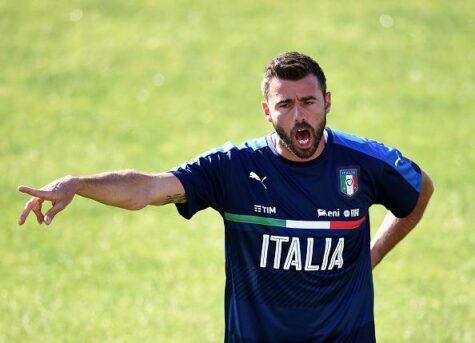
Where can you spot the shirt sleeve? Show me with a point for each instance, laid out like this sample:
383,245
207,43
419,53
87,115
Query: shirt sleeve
202,178
398,182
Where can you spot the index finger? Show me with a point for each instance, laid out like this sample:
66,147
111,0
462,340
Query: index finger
36,192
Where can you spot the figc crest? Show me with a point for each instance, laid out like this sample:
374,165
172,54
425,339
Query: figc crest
348,181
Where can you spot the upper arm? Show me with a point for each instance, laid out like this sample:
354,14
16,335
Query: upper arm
165,188
203,181
427,188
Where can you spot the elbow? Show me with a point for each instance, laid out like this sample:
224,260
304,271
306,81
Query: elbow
427,189
135,206
431,188
138,191
428,185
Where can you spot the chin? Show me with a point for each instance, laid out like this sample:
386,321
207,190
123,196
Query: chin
304,154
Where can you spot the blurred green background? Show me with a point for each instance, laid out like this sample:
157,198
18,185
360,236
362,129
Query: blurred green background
89,86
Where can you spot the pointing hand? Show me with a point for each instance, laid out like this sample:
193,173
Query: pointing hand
60,192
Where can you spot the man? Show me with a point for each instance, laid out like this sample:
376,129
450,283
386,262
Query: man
295,205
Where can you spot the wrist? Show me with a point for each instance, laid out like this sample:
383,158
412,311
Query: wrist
77,183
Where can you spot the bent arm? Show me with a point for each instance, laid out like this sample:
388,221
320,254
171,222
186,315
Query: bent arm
126,189
394,229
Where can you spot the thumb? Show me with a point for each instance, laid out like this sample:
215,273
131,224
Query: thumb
53,211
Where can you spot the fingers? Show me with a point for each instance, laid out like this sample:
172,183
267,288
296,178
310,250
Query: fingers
57,207
26,210
35,204
47,195
37,210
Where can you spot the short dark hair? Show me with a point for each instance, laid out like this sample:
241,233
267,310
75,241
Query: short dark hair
292,65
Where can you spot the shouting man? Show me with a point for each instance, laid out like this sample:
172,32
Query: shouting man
295,205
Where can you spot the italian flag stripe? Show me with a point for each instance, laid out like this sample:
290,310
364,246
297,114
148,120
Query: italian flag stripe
295,224
241,218
346,225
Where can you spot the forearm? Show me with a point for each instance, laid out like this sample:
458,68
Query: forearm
124,188
394,229
390,233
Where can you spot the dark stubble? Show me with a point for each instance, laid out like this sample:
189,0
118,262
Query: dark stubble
317,134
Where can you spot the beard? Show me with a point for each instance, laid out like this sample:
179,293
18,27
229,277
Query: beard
316,133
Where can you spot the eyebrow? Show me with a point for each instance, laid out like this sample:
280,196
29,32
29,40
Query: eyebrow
305,98
285,101
309,97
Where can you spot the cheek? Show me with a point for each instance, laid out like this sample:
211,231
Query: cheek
317,108
280,120
317,113
274,117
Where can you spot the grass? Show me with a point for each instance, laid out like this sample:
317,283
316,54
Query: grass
87,87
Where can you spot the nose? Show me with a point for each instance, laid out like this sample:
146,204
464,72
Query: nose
299,113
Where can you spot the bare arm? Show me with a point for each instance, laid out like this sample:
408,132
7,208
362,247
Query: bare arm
394,229
126,189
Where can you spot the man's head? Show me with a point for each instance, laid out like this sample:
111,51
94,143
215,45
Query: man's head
292,66
296,103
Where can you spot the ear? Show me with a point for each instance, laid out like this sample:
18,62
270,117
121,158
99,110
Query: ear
328,102
266,111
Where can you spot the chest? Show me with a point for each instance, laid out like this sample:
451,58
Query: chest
341,191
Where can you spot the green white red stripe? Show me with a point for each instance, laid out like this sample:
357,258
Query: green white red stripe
295,224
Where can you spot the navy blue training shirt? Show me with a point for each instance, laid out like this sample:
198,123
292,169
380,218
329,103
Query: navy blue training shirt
297,234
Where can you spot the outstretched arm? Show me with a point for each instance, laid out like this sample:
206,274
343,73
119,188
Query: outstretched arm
127,189
394,229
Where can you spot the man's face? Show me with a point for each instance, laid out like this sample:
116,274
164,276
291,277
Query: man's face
297,110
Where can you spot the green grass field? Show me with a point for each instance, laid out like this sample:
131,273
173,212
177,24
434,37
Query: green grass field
90,86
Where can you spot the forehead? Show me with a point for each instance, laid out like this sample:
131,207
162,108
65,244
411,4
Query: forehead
284,89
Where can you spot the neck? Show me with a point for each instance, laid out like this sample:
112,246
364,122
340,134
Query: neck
286,153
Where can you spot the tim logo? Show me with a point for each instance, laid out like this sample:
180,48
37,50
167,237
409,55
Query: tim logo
265,209
348,181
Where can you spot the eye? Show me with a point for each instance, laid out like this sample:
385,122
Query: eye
284,105
309,102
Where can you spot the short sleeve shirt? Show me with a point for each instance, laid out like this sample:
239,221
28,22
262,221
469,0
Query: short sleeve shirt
297,234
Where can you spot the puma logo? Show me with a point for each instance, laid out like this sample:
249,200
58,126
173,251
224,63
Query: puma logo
254,176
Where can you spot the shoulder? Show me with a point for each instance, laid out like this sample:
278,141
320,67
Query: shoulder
252,146
365,146
230,150
249,146
386,160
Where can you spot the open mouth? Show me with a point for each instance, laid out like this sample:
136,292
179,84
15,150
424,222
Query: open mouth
303,137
